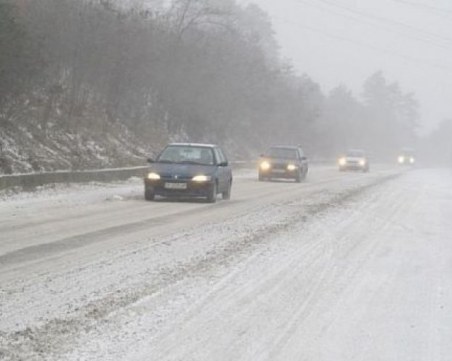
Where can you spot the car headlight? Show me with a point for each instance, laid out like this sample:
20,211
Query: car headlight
362,162
401,159
265,165
291,167
412,160
342,161
202,178
153,176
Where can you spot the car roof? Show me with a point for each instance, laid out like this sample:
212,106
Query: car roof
355,150
193,145
284,146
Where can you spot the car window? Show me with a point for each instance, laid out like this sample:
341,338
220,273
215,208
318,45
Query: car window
217,155
288,153
187,154
221,158
355,153
407,152
225,158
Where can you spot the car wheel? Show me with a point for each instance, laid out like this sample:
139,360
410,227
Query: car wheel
299,177
149,195
227,194
260,177
212,195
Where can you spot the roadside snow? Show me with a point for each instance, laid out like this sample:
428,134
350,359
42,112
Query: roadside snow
356,268
371,281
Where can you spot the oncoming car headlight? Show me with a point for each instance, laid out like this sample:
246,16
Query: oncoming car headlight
401,159
412,160
202,178
362,162
291,167
342,161
153,176
265,165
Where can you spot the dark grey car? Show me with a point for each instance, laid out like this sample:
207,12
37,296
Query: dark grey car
283,162
189,170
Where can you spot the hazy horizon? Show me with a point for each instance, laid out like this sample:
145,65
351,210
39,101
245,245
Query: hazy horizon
344,42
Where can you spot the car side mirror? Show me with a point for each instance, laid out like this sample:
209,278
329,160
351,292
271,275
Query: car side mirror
150,160
223,164
304,158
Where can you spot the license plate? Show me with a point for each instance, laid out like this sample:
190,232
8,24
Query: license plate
176,185
279,171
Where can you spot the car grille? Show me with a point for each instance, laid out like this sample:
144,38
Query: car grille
279,166
175,177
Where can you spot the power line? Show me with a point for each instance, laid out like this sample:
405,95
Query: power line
386,20
361,16
441,11
374,48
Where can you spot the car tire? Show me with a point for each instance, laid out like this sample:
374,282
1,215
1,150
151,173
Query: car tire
212,194
227,194
299,176
260,177
149,195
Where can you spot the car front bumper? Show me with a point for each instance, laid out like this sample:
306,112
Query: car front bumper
279,173
172,188
353,166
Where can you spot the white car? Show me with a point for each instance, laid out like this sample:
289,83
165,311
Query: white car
354,159
406,157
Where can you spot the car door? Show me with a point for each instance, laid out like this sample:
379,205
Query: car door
223,171
303,160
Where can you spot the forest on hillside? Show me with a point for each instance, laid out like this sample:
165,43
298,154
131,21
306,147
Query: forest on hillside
94,83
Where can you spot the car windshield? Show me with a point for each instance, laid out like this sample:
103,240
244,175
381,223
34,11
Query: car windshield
355,153
288,153
407,152
187,154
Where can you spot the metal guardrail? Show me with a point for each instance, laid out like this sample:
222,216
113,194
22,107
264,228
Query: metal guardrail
30,181
33,180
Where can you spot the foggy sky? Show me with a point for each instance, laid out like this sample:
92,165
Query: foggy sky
345,41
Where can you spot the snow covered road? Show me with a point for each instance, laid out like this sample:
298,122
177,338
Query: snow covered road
345,266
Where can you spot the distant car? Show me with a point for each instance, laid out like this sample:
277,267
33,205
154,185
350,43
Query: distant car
285,162
406,157
354,159
189,170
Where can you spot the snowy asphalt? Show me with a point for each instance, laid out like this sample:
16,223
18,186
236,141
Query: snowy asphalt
345,266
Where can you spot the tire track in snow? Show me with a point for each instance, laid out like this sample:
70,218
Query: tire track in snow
317,275
55,336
